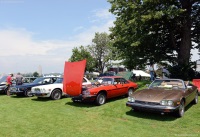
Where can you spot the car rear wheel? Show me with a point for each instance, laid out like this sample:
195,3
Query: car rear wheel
130,92
101,99
56,94
181,110
195,101
28,93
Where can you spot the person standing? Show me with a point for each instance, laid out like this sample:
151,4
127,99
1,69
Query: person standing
19,79
165,72
151,71
9,82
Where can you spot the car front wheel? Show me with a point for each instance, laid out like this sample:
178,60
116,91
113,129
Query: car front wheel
28,93
56,94
181,110
101,99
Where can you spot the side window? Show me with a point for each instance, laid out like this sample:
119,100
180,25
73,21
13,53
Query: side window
84,80
117,81
46,80
124,81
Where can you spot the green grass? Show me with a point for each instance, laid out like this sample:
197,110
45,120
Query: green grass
22,117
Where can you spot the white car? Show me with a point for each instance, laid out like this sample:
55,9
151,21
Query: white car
54,91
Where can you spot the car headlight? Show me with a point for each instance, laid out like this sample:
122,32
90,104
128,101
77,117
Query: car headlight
131,99
86,92
43,90
167,103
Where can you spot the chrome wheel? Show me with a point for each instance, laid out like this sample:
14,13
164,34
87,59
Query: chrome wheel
28,93
130,92
101,99
181,109
56,94
195,101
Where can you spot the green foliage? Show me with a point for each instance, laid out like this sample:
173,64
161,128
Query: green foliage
102,50
35,74
185,72
82,53
154,30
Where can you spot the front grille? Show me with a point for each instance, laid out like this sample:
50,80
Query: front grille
13,89
147,103
36,89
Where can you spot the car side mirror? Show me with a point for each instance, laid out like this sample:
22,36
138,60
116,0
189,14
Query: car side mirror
115,83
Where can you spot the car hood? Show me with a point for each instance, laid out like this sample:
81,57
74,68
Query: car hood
73,77
156,95
50,86
27,85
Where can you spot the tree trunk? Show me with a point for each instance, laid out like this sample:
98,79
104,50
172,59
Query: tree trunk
185,45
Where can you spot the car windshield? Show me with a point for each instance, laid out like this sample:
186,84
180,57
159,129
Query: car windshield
59,80
3,79
167,83
43,80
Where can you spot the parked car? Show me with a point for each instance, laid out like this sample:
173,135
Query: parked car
164,96
196,82
25,89
3,86
111,86
54,91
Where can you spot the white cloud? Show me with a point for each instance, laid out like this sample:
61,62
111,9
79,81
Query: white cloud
101,15
20,52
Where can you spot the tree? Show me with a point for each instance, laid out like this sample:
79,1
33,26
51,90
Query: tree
36,74
83,53
155,30
102,50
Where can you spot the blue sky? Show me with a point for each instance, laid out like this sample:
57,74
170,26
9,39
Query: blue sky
43,33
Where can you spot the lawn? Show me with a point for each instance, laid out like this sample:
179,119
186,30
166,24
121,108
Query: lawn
22,116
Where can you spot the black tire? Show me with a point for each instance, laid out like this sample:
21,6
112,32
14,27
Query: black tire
5,91
28,93
195,101
75,100
56,94
130,92
181,109
100,99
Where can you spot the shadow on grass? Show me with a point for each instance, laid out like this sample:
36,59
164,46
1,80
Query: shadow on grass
44,99
151,115
156,116
81,104
41,99
19,96
92,103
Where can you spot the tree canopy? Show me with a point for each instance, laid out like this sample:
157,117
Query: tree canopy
83,53
155,30
102,50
